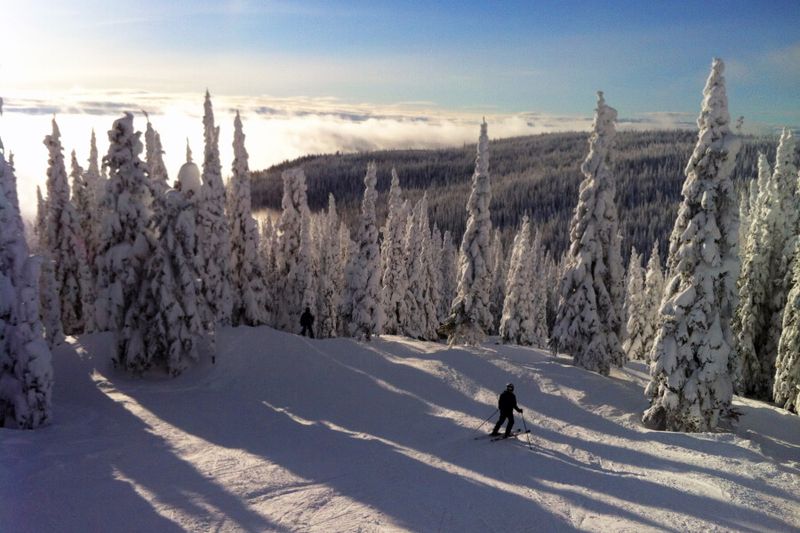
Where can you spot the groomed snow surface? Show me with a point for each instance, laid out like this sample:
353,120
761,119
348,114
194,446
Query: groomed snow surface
290,434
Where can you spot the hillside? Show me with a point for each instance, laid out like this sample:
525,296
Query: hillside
290,434
538,175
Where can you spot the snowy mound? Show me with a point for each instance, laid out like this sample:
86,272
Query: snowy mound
290,434
189,178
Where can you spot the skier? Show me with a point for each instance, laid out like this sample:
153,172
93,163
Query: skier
507,403
307,323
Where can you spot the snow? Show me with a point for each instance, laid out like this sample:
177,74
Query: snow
290,434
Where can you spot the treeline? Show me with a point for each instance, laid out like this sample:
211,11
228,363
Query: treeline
537,176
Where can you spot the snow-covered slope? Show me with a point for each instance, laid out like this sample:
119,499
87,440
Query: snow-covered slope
290,434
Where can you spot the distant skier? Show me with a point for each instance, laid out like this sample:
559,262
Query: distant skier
307,323
507,403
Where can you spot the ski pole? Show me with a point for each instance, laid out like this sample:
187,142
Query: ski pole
490,417
525,426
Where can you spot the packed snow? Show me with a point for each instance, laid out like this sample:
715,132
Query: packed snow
289,434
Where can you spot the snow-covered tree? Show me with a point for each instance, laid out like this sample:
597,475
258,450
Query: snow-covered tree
421,321
249,293
786,387
154,158
766,274
690,387
499,269
84,203
331,278
266,251
364,316
540,265
65,243
517,325
449,266
26,370
394,279
635,342
50,306
588,318
293,255
437,281
171,324
470,315
651,301
213,231
126,244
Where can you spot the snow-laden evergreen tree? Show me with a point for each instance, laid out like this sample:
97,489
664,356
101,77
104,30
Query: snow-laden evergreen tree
470,314
437,281
154,157
213,231
588,322
651,301
49,301
517,325
786,386
394,279
499,271
765,279
635,339
293,259
65,243
249,292
349,254
26,370
331,278
127,243
171,325
421,321
266,252
539,265
449,266
96,190
82,198
364,316
690,387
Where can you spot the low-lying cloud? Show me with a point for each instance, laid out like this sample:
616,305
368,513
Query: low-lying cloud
277,129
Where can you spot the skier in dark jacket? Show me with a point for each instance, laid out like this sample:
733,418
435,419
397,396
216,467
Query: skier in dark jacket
307,323
507,403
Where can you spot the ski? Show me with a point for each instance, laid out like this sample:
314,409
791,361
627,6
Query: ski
513,435
500,436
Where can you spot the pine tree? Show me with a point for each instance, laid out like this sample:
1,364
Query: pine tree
540,266
96,190
690,387
266,251
363,278
249,293
293,260
171,325
651,302
213,230
331,277
65,244
126,244
635,341
786,387
26,371
394,279
437,281
421,321
499,269
49,302
517,325
766,274
84,208
588,318
470,315
154,157
449,266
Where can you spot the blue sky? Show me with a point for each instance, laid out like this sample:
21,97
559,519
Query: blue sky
649,56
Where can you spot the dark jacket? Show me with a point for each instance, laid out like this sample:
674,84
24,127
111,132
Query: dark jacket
307,319
507,402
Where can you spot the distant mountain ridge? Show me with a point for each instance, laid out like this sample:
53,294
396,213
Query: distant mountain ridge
536,175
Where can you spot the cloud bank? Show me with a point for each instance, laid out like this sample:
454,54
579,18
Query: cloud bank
277,129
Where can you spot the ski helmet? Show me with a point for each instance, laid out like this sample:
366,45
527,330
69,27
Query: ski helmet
510,387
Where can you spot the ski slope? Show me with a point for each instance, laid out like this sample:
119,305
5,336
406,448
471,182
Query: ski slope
290,434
